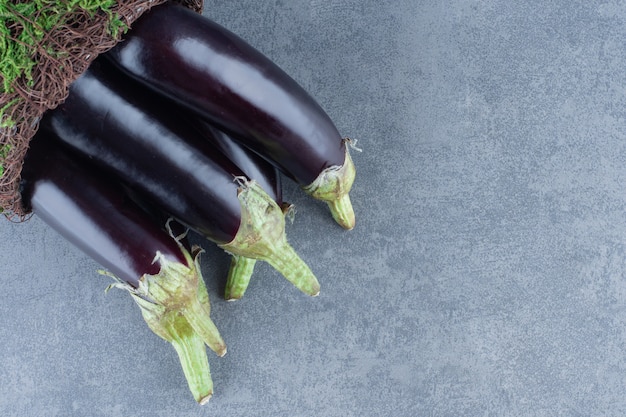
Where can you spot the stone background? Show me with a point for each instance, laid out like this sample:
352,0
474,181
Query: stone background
485,276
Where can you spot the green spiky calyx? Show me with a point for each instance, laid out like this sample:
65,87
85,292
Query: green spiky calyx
261,236
175,305
242,268
333,186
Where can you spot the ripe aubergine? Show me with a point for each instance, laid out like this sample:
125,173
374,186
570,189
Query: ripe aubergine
265,174
93,213
160,154
204,66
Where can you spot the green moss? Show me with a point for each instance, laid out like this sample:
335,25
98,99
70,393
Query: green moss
6,121
4,150
23,29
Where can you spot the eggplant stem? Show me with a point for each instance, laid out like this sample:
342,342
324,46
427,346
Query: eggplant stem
175,305
189,346
342,211
333,186
239,274
261,236
286,261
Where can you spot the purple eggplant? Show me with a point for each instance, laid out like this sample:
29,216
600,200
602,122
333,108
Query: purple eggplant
265,174
158,152
204,66
164,279
249,162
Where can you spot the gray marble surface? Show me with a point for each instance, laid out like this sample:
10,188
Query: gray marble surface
485,276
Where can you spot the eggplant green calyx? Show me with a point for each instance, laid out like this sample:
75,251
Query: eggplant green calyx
241,268
175,305
261,236
333,186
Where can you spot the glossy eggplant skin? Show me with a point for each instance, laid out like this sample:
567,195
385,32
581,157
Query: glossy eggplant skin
156,151
206,67
254,166
93,213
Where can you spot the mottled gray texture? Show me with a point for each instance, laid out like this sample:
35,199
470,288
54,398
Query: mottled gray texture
485,276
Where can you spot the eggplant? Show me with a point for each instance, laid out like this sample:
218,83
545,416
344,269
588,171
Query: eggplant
164,279
265,174
209,69
142,140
